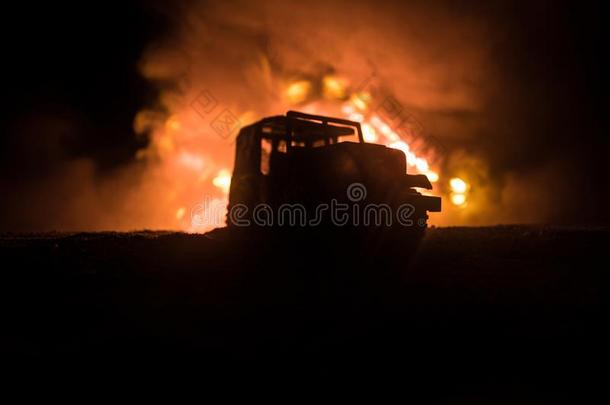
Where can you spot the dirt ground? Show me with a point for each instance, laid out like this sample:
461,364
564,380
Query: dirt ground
481,315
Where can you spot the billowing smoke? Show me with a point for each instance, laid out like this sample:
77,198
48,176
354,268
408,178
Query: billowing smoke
436,61
457,70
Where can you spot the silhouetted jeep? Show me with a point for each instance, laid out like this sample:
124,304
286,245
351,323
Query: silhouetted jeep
302,170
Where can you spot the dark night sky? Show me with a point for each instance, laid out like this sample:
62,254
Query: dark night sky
76,63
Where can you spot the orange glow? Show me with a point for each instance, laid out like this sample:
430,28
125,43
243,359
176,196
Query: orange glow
191,160
208,214
419,163
369,134
422,165
195,159
459,189
298,91
333,87
173,124
360,100
432,176
223,181
400,145
458,199
458,185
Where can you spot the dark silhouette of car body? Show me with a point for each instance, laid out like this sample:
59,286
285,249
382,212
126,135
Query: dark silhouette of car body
293,172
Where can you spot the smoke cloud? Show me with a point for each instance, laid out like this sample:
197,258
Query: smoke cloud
472,75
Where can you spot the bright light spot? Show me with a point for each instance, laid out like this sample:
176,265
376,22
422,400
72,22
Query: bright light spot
333,87
411,158
298,91
223,180
432,176
421,165
384,129
458,185
400,145
347,109
191,160
360,100
458,199
180,213
369,134
355,117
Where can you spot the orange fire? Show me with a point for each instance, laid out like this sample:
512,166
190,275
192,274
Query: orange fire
459,189
196,168
223,181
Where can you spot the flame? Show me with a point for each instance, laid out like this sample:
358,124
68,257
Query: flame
369,134
360,100
400,145
173,124
191,160
458,199
333,87
298,91
223,181
458,185
194,160
432,176
376,128
459,188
